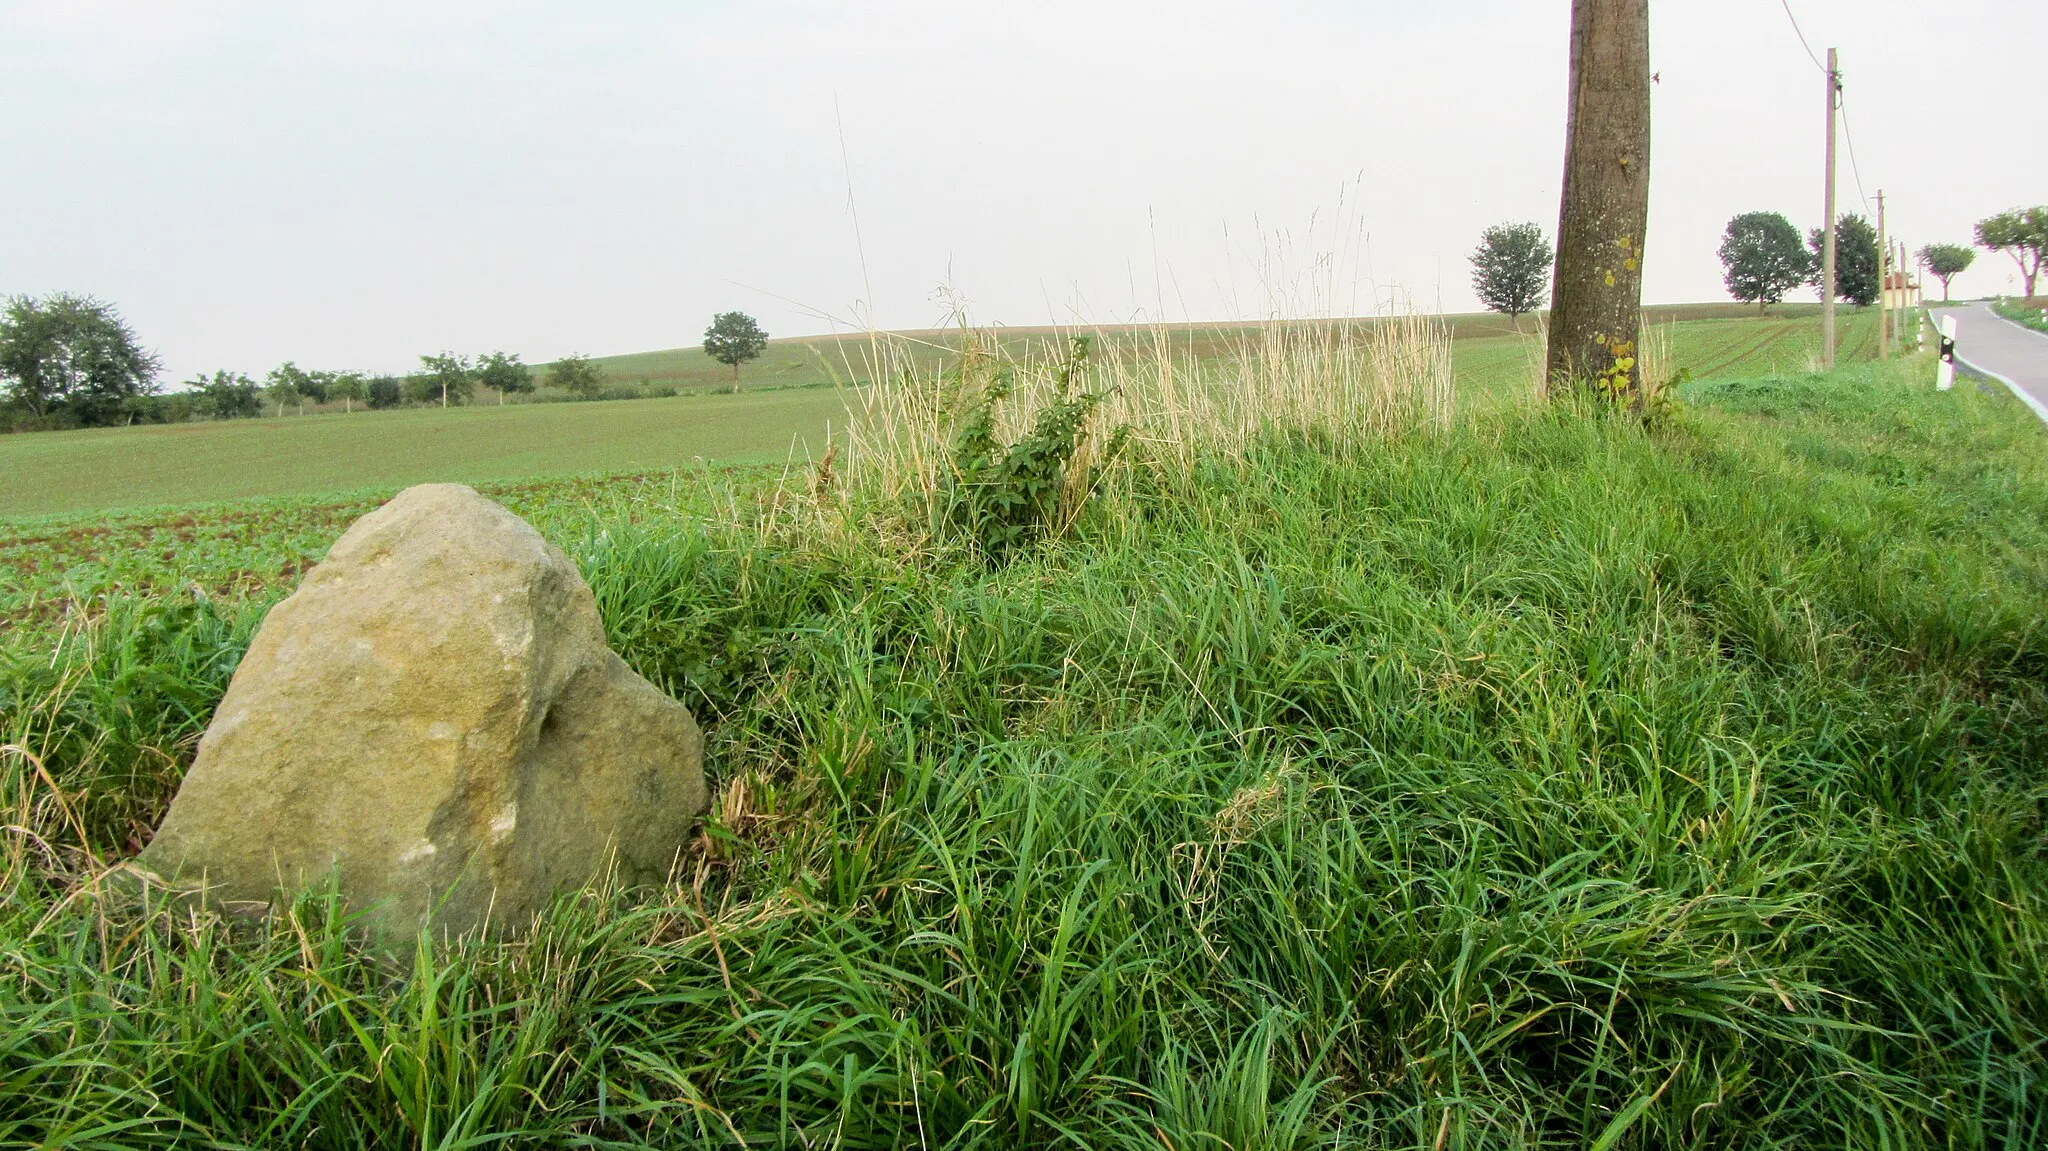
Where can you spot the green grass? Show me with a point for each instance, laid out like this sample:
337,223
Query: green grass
121,468
2023,313
1545,782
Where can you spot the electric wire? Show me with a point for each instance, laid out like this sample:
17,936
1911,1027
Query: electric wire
1840,98
1849,138
1802,36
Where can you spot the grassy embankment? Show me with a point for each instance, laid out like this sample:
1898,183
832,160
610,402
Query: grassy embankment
2027,313
378,452
1532,780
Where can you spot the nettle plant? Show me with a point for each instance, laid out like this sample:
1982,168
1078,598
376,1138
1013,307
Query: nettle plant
999,496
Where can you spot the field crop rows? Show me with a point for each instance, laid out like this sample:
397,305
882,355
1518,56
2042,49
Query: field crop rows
55,568
123,468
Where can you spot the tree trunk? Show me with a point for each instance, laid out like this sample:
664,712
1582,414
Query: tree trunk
1595,312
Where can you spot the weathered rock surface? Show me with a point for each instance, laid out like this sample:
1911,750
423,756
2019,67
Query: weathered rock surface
435,716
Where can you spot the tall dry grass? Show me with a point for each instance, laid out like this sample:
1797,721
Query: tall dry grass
1345,380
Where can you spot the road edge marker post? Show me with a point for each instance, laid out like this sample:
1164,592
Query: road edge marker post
1945,375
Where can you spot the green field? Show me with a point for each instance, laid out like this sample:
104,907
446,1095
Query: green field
1729,335
179,464
188,464
1541,780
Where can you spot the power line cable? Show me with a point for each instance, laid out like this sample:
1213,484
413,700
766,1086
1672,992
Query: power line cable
1849,138
1843,103
1802,36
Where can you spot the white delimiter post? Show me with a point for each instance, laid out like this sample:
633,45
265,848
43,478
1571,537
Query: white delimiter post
1945,375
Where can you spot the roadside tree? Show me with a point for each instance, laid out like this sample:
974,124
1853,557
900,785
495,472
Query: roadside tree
1604,212
576,374
734,338
1511,269
2022,234
71,359
503,373
1762,258
1855,260
1945,261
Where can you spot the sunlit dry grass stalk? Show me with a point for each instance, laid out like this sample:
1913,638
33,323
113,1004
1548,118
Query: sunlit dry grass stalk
1345,380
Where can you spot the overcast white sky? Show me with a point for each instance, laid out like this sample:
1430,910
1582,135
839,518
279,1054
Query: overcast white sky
350,185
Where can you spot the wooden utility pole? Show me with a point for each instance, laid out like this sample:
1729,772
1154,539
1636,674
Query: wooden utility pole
1884,283
1597,297
1827,227
1909,312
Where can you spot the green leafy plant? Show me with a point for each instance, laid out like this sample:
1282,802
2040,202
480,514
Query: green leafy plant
999,496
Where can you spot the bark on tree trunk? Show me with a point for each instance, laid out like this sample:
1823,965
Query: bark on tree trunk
1595,313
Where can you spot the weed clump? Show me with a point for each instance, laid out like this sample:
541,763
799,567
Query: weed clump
999,496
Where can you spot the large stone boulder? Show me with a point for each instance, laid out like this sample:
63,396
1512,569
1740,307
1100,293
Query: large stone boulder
434,717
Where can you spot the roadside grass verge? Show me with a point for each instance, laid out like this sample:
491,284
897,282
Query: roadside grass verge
1535,780
2026,313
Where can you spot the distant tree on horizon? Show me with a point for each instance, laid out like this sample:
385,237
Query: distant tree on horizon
576,374
503,373
227,395
350,387
2022,234
1762,258
1855,260
448,374
1511,269
72,357
286,384
384,392
734,338
1946,261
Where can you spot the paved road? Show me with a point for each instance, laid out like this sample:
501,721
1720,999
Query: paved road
1996,346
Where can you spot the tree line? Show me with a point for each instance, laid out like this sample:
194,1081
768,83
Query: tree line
71,361
1763,257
